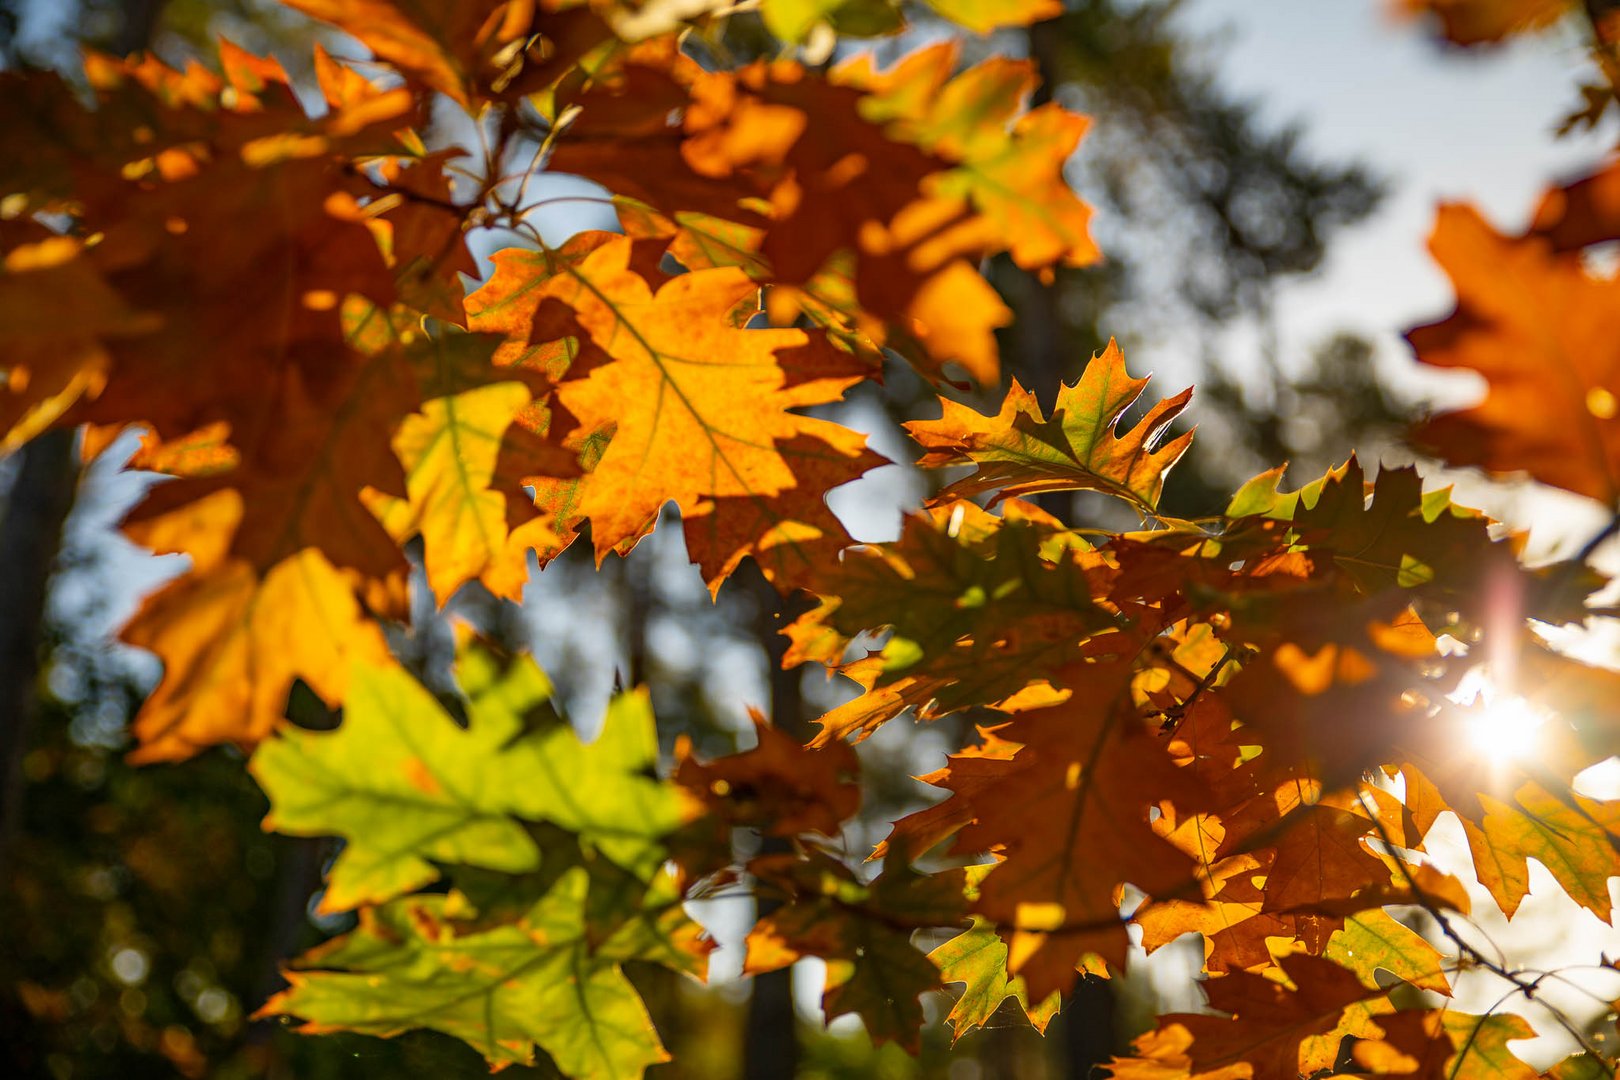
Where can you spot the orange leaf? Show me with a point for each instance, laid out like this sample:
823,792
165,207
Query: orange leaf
699,405
1545,335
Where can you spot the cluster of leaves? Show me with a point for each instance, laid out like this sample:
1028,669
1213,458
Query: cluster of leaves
1241,727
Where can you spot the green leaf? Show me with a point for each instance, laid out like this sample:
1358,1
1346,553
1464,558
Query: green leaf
1581,1066
1372,940
503,991
408,788
1481,1046
977,957
1572,836
983,16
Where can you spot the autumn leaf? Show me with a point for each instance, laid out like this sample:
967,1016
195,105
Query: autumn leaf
451,49
977,958
233,643
1373,941
1070,814
791,536
1576,838
1487,22
1581,213
1008,164
1265,1035
407,788
503,990
1537,326
1021,452
982,16
791,20
699,404
58,310
452,451
862,931
1448,1045
780,786
980,607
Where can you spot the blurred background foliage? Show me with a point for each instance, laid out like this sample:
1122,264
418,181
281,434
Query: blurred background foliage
145,910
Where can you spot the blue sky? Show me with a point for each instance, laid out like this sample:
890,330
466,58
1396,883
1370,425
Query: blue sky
1438,123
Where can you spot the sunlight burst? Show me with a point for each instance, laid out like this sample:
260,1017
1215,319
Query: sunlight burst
1504,729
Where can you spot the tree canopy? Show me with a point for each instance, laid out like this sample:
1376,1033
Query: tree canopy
1241,726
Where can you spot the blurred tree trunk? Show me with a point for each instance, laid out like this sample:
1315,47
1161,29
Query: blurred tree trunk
30,537
1088,1027
771,1040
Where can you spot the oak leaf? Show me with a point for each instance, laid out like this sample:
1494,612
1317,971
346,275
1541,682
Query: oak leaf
1070,814
780,787
977,957
501,990
1021,452
407,788
1540,329
233,642
1267,1033
863,931
979,606
699,405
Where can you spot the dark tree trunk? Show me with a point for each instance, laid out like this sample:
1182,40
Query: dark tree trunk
1088,1027
30,537
771,1043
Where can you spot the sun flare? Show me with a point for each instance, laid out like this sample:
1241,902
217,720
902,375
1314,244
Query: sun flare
1504,728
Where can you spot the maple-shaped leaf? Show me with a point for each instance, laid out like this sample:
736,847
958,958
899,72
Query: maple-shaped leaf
1540,328
1070,813
1488,22
699,405
1079,448
457,49
980,607
474,522
504,990
1006,190
780,786
1447,1045
977,958
1265,1034
233,643
407,788
791,536
862,930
